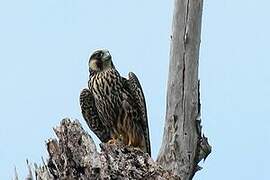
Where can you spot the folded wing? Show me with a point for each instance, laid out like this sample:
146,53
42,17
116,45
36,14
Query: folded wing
136,91
91,117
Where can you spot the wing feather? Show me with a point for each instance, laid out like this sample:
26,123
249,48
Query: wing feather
91,117
137,93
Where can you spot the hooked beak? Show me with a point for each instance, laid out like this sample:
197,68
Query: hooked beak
107,55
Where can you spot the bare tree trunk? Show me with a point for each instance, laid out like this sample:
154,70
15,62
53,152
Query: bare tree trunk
183,146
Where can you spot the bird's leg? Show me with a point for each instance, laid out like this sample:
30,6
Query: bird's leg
129,142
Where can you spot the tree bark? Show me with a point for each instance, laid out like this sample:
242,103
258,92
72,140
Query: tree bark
183,144
74,156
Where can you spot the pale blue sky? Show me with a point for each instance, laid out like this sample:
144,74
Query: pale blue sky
44,49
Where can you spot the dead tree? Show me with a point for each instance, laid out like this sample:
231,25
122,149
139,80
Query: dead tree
183,145
74,155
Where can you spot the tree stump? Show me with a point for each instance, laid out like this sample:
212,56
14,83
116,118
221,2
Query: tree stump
74,156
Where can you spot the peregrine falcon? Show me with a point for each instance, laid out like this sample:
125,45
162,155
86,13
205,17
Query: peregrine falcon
113,106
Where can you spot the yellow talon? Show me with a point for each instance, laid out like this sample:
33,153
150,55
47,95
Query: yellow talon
112,141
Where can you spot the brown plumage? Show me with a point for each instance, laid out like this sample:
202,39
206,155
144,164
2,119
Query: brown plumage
114,107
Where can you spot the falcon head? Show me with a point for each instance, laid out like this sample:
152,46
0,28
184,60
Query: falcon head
100,60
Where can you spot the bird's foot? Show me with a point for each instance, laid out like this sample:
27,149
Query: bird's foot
137,148
112,141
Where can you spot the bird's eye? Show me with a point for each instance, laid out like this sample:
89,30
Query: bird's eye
100,55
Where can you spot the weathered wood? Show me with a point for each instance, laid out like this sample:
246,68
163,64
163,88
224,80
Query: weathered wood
183,145
74,156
